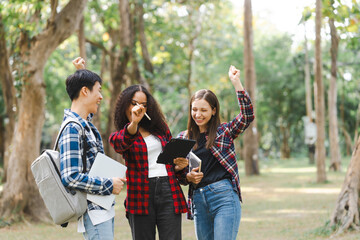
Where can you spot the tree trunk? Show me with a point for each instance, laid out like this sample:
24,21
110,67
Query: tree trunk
2,143
97,118
347,137
250,136
136,75
285,148
149,70
308,97
190,62
118,69
356,133
346,213
333,122
348,141
9,91
191,48
81,39
20,194
320,103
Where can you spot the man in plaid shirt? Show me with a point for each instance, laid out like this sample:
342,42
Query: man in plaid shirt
84,90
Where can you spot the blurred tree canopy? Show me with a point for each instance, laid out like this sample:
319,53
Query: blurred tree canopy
191,45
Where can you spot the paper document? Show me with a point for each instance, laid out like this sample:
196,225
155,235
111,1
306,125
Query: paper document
105,167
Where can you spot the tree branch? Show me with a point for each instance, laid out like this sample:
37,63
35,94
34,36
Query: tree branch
99,45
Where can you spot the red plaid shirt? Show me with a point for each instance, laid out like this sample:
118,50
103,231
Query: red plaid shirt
133,149
223,148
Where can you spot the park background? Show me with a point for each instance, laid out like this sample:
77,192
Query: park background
299,61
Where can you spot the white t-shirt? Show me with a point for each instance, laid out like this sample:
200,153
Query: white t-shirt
154,148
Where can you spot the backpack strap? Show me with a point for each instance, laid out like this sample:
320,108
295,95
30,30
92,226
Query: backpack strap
83,136
83,155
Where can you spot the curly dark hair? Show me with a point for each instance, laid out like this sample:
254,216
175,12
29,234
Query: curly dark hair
157,125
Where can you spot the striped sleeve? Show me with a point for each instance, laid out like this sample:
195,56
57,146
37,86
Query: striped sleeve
71,165
245,117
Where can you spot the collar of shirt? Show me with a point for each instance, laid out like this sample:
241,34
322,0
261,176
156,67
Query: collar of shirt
69,113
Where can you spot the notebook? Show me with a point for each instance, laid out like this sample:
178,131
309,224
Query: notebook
194,162
105,167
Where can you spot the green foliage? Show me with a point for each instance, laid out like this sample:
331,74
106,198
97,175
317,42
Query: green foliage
4,223
281,91
170,28
215,29
57,69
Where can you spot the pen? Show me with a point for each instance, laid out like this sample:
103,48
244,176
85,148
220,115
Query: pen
145,113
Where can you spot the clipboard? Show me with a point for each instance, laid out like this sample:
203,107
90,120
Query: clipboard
176,147
105,167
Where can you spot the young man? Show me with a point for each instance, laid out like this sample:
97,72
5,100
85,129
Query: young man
84,90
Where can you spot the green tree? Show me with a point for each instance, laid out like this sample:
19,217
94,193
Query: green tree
36,43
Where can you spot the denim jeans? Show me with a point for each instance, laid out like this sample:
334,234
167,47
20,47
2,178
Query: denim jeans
161,214
101,231
217,211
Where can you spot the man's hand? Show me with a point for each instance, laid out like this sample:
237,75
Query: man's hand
79,63
194,176
180,163
118,184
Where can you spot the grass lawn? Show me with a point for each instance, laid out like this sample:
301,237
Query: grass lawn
284,202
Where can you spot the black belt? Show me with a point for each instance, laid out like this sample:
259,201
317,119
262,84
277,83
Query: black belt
159,179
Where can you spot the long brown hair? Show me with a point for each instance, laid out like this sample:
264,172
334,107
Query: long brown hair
157,125
193,130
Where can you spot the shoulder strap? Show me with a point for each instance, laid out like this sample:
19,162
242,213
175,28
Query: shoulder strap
63,125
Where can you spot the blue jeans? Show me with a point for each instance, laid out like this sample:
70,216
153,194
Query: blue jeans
217,211
101,231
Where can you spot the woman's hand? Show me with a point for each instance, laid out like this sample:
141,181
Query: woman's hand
180,163
137,113
79,63
234,75
194,176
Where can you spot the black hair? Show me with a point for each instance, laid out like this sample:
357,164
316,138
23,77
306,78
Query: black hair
156,125
81,78
193,130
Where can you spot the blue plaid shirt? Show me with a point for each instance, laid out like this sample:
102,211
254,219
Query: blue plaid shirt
71,166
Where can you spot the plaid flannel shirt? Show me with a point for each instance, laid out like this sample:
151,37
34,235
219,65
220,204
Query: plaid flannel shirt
134,151
71,166
223,149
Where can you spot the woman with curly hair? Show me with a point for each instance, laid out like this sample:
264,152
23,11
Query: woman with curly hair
154,196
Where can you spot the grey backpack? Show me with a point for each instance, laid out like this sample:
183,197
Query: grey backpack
64,205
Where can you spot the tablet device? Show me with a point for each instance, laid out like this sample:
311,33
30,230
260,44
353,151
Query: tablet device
176,147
